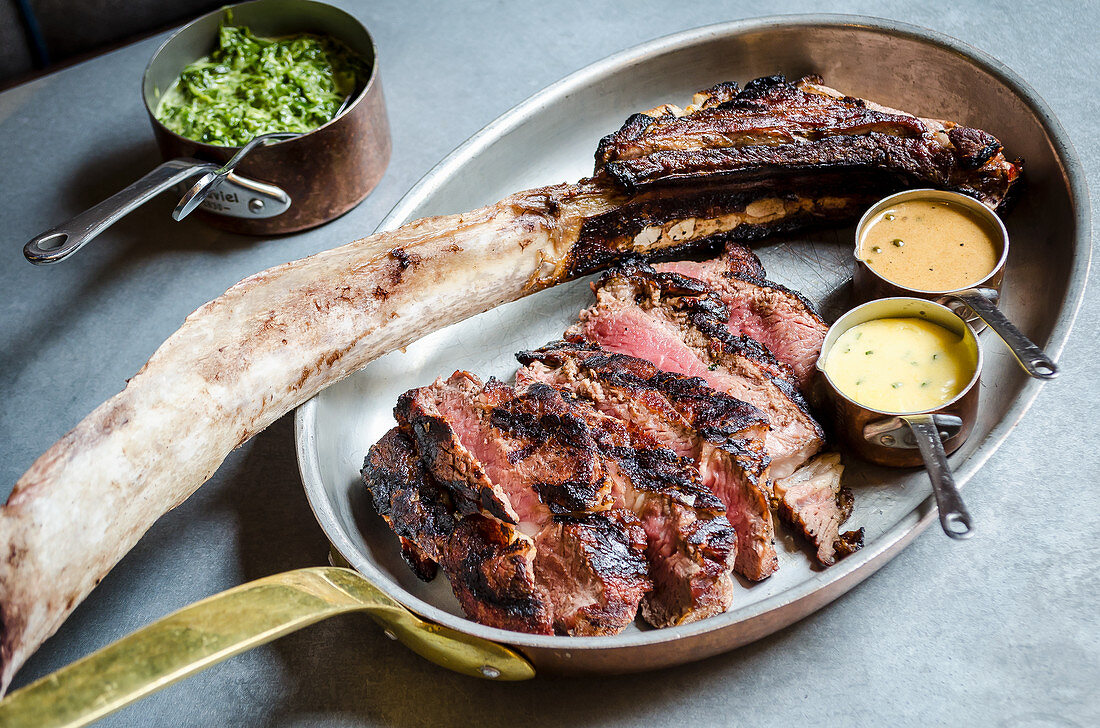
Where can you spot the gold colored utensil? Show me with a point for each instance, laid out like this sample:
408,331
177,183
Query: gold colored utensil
229,623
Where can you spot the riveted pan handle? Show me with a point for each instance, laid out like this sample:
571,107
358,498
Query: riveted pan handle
954,518
229,623
60,242
1033,359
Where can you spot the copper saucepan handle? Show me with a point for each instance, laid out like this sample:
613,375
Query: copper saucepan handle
1033,359
229,623
60,242
954,518
926,432
241,197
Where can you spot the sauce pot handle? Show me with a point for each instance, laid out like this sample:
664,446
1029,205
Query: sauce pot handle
60,242
954,518
1033,359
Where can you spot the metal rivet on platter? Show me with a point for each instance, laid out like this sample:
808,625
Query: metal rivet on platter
256,204
490,672
389,634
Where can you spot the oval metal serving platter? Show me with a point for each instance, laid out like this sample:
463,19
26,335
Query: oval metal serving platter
551,138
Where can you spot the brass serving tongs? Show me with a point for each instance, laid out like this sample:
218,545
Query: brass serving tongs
226,624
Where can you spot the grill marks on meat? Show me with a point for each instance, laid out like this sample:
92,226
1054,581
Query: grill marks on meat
277,338
690,545
489,565
781,319
802,129
527,474
680,325
813,501
653,430
723,435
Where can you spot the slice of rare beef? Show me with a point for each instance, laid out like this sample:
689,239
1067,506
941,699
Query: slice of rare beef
781,319
690,544
680,325
723,435
489,564
544,473
813,501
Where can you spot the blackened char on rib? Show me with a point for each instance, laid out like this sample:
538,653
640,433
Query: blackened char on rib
799,130
743,165
781,319
813,501
680,325
723,435
550,500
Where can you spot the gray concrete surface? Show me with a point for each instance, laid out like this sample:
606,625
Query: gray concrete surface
1000,630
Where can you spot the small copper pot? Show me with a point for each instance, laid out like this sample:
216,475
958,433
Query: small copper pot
909,439
977,303
267,188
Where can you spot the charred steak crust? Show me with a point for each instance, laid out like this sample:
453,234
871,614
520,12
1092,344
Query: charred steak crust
414,506
572,559
605,548
491,575
783,320
828,199
540,418
719,418
702,308
680,324
803,127
450,464
724,435
488,564
690,544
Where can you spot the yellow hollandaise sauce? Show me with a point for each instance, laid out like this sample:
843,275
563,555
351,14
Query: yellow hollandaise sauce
901,364
930,245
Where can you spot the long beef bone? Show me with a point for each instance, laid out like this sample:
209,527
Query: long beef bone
237,364
264,347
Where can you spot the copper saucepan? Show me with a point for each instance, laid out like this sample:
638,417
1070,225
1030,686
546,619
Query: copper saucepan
909,439
977,303
280,183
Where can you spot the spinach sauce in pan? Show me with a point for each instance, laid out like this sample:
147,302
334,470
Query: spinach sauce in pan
250,86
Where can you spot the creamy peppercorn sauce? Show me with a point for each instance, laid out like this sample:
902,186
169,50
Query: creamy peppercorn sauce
930,245
901,365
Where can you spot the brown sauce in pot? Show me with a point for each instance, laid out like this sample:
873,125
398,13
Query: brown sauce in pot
930,245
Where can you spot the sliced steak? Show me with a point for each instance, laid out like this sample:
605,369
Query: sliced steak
543,472
813,501
723,435
489,564
680,325
781,319
690,544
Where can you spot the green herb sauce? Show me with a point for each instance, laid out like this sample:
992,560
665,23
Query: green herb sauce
250,86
